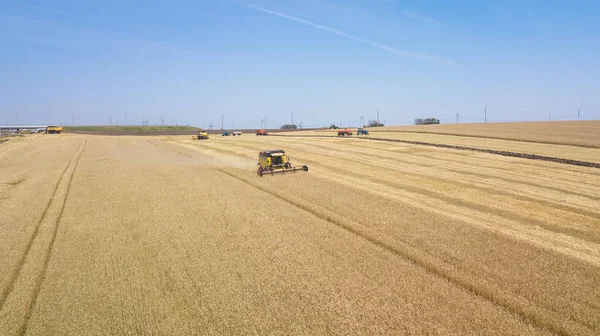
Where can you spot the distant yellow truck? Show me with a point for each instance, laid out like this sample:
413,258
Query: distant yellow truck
54,129
202,135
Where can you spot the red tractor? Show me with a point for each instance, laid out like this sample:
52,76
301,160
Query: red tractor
261,132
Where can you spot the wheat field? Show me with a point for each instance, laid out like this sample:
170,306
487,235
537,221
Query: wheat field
578,133
171,236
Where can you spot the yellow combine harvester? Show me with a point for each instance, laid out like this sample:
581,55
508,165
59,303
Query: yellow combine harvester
275,162
54,129
202,135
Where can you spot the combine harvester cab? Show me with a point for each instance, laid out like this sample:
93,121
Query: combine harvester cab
202,135
261,132
272,162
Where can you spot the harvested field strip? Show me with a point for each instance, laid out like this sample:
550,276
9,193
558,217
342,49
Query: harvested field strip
433,174
475,149
19,298
459,209
557,176
440,162
479,211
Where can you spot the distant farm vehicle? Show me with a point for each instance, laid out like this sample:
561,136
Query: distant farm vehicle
362,131
344,132
333,126
202,135
272,162
236,133
261,132
54,129
226,133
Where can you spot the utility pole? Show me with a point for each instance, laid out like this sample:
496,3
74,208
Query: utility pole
377,118
292,118
126,118
222,120
109,121
457,118
578,114
550,118
73,118
485,114
340,123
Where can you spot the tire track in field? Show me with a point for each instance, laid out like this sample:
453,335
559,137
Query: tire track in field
534,316
30,273
52,241
23,257
474,149
407,253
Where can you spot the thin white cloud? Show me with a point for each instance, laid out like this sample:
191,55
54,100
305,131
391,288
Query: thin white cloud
393,50
419,17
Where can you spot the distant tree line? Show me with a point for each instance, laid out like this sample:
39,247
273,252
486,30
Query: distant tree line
289,126
374,123
426,121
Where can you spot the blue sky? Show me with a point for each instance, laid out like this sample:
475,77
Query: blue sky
323,60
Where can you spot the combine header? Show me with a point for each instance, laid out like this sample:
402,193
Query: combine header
275,162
